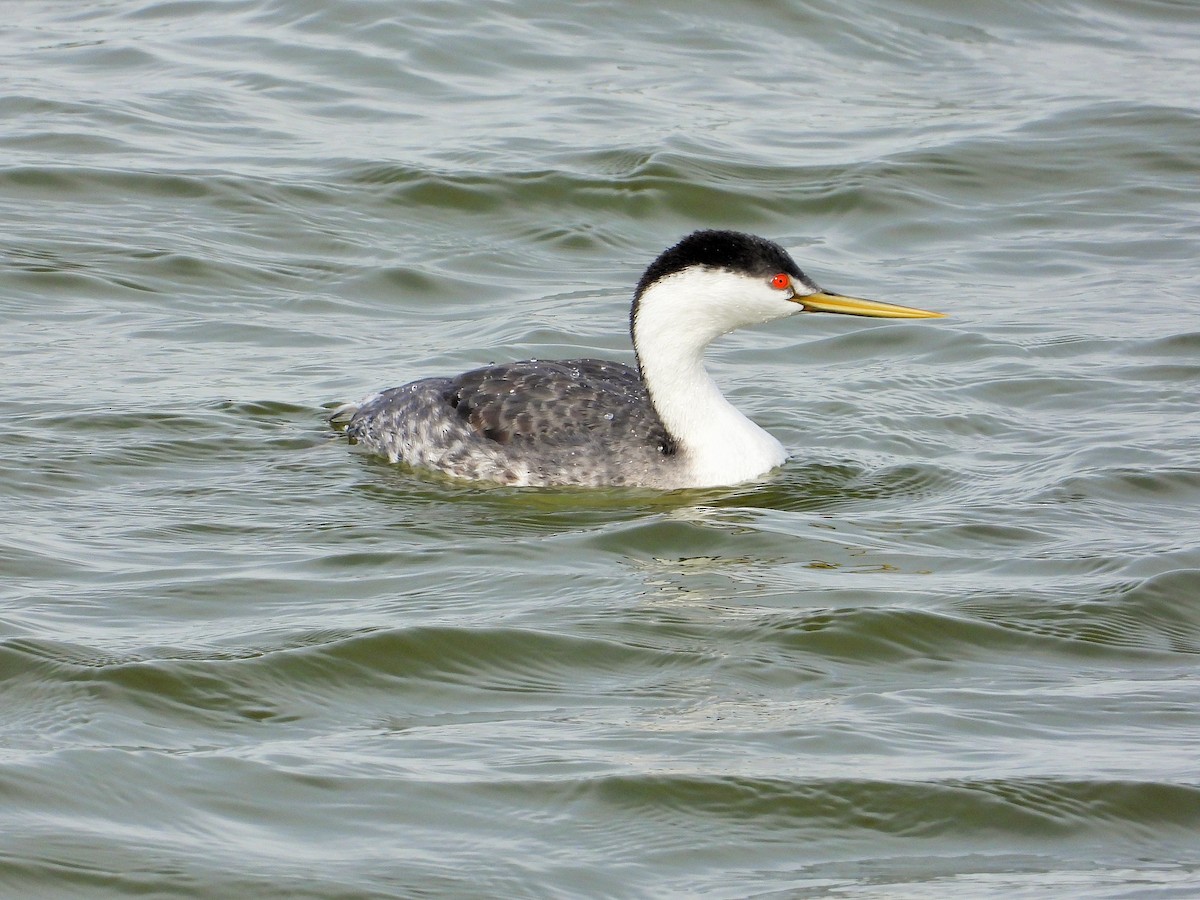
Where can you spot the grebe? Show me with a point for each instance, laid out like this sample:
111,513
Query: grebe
662,425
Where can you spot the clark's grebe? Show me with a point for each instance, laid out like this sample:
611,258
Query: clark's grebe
590,422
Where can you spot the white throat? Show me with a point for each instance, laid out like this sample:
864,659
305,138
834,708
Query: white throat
675,322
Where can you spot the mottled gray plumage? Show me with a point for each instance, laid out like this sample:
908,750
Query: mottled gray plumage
581,421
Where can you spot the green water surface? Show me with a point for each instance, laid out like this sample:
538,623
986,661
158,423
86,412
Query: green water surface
950,649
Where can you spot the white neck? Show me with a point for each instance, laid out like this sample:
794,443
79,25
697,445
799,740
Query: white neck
716,444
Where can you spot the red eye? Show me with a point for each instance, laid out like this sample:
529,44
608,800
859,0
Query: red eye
781,281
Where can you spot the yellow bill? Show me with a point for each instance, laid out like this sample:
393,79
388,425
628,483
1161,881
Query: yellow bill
854,306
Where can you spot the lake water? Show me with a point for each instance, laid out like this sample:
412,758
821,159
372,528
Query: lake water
950,649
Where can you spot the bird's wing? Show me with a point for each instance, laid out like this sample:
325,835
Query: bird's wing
559,402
